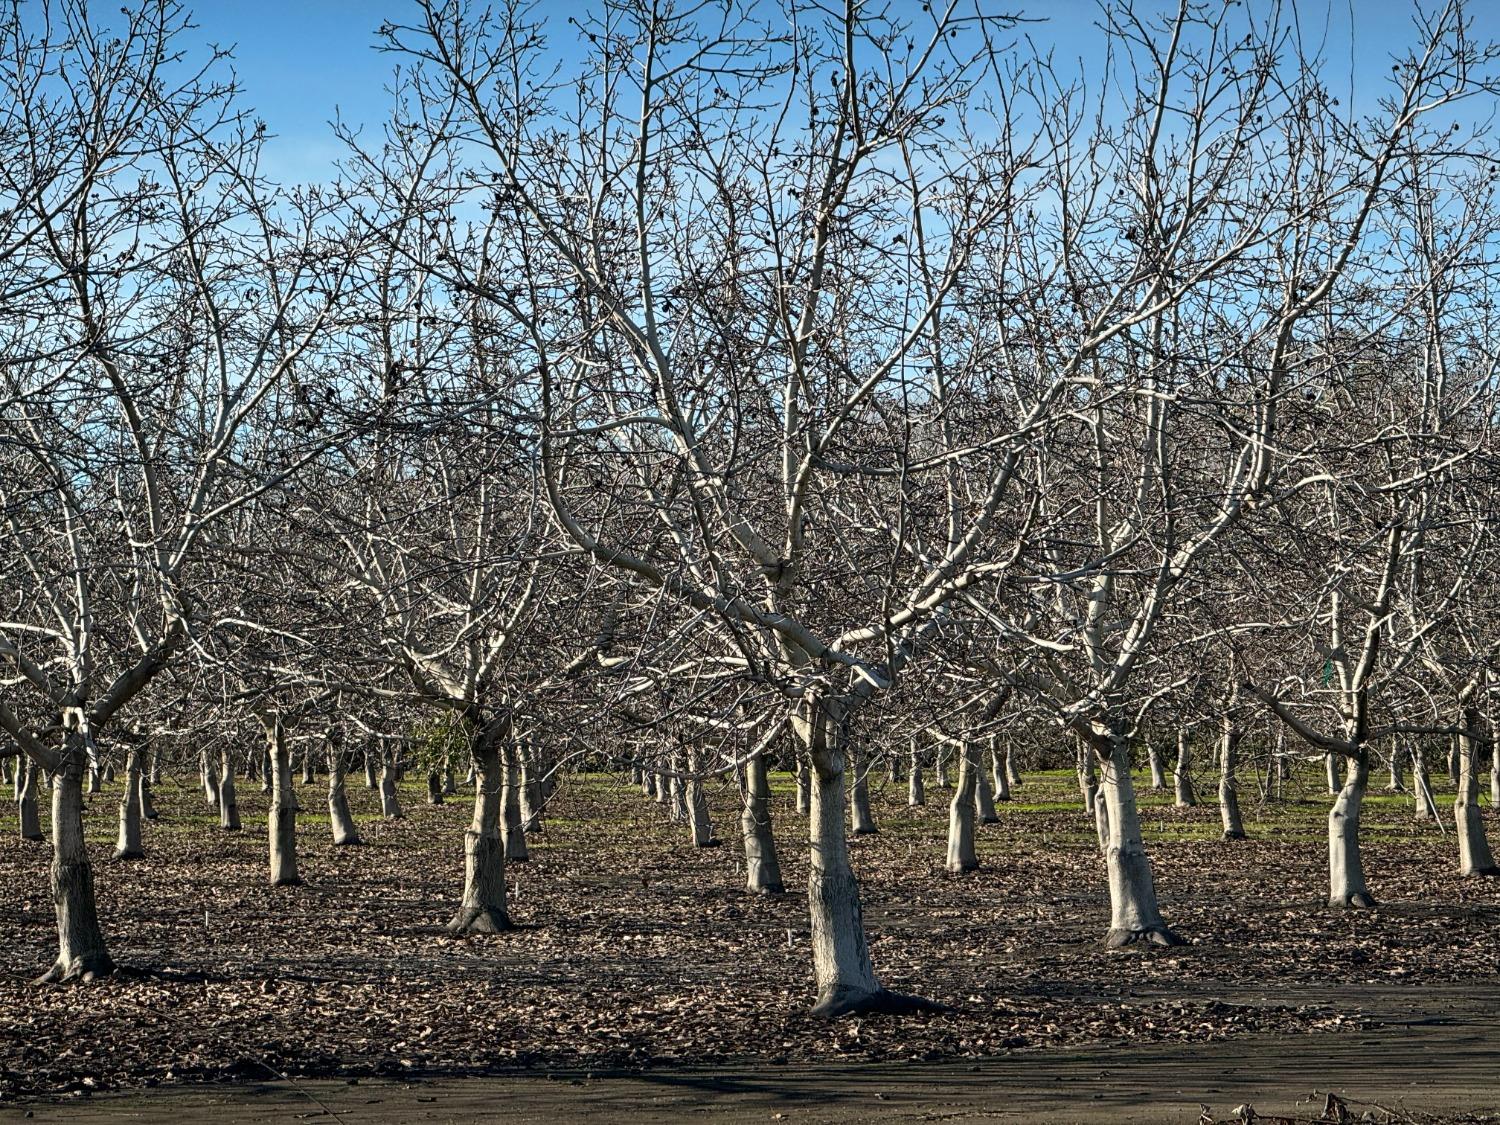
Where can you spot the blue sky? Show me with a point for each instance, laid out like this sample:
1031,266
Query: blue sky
299,60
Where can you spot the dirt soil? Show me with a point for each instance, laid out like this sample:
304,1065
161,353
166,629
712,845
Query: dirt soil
639,959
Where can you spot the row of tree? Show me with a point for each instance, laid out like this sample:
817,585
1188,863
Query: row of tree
693,378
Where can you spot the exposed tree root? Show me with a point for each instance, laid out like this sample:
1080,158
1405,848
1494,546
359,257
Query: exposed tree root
88,967
883,1003
1360,900
1159,934
480,920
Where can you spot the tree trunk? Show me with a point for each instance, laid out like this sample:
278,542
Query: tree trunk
128,843
1397,783
93,780
961,855
1453,758
862,821
1474,856
984,796
999,772
80,941
1088,778
1346,874
841,957
148,780
515,831
940,768
109,771
1426,805
697,806
450,788
1158,776
434,787
893,769
26,800
390,801
762,871
531,794
1134,914
281,819
483,910
267,771
1330,763
1229,796
1494,767
229,805
804,787
1182,778
309,774
371,781
340,819
916,793
1012,771
209,775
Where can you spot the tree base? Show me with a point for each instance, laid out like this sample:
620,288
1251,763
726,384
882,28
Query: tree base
882,1003
287,881
864,832
89,967
1159,934
349,842
767,889
1235,835
963,868
128,853
1482,872
710,843
1360,900
480,920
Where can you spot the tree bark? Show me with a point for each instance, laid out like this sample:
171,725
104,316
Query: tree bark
1229,796
1330,763
984,796
1397,783
961,854
1134,914
862,821
229,805
804,787
1346,874
916,792
309,773
999,772
281,819
841,956
390,800
531,793
128,844
148,780
1158,776
1182,778
1474,857
26,800
371,781
208,774
80,940
1088,778
483,909
1012,771
515,831
434,787
762,870
340,819
1425,804
697,806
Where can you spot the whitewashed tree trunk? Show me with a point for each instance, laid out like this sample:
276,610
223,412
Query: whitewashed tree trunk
309,773
340,819
916,792
515,828
128,844
1158,775
1346,874
1424,802
1494,767
147,782
998,771
267,771
1330,764
93,780
1229,796
893,768
483,909
961,854
1182,778
209,774
1012,771
697,806
804,787
1134,914
1088,777
281,820
762,870
229,802
81,949
862,821
841,956
1397,783
531,794
372,781
1474,857
984,795
390,798
27,805
1453,759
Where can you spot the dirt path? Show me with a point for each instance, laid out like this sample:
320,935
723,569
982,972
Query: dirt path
1440,1065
